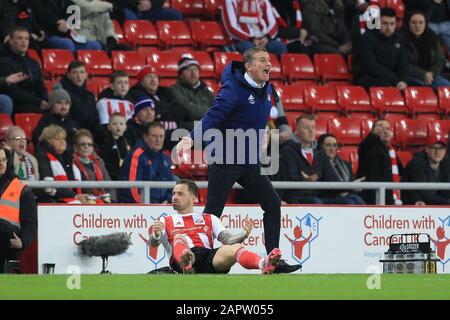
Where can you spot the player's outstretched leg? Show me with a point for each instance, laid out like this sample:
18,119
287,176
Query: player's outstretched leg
228,255
183,254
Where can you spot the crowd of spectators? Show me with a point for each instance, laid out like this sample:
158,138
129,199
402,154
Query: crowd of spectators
124,132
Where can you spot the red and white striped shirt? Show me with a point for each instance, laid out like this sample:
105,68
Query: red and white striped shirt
106,107
199,229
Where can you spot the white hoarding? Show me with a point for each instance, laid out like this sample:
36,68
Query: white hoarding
324,239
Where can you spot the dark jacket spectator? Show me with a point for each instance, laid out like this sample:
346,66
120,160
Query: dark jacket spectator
59,102
29,95
325,20
146,162
428,166
424,52
15,13
381,60
191,92
292,164
168,111
374,163
113,152
83,109
49,12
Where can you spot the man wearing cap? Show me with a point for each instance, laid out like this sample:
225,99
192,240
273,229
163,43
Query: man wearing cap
147,162
429,165
59,102
191,92
144,113
168,111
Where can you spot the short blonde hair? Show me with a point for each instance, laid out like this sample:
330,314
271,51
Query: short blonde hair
83,133
52,131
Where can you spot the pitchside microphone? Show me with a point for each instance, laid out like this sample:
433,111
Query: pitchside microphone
106,246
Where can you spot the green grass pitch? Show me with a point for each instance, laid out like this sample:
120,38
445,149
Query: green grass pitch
177,287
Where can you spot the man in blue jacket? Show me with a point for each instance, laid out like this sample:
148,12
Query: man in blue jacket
147,162
243,103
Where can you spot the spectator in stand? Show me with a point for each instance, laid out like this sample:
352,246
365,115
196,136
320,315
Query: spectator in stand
29,94
115,146
59,101
378,161
147,162
18,212
381,59
168,111
325,20
15,13
334,169
96,24
429,165
54,17
290,27
424,52
25,164
116,98
299,161
253,24
6,103
148,10
191,92
56,163
437,13
90,165
144,113
83,107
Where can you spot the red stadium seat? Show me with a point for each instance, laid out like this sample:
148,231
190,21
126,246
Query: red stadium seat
404,156
366,127
354,162
189,7
345,151
439,127
321,126
387,100
100,83
174,33
421,100
97,62
214,87
331,67
119,32
167,82
165,62
5,123
129,61
221,59
321,99
140,32
213,7
275,71
208,33
28,122
353,99
347,131
34,55
398,6
293,98
444,99
56,61
411,133
206,64
297,66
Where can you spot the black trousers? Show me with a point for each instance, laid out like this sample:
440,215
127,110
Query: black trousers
221,179
6,232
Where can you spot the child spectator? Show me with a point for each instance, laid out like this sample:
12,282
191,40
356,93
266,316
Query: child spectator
115,147
116,98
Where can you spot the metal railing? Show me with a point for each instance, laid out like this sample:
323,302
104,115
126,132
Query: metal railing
146,186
